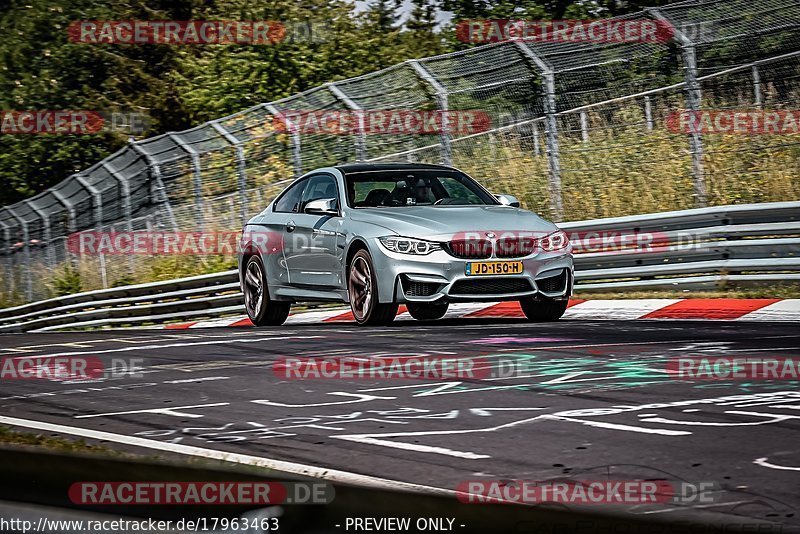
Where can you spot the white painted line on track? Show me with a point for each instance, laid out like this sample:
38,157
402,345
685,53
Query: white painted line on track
333,475
173,410
764,463
226,340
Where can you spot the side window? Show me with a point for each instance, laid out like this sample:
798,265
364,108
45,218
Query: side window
289,201
320,186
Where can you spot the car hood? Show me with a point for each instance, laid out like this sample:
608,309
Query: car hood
441,223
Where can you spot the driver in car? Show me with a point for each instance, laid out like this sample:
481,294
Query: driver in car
422,191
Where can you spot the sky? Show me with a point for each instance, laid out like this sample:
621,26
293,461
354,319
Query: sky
441,17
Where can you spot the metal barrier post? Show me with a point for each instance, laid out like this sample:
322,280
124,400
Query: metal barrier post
27,252
158,191
443,105
71,225
97,199
241,168
757,86
361,142
46,234
297,156
199,213
6,255
125,188
694,97
551,129
97,202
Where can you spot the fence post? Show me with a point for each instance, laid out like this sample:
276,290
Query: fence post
757,86
97,199
46,235
199,213
551,128
71,224
125,188
694,98
6,255
297,155
361,141
648,113
27,252
584,126
97,202
442,104
693,102
537,150
241,168
410,154
158,192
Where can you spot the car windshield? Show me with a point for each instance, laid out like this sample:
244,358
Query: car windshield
385,189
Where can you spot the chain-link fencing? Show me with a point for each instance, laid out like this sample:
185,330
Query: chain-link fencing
575,130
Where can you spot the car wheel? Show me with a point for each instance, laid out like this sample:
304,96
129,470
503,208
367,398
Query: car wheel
362,286
261,310
542,310
427,311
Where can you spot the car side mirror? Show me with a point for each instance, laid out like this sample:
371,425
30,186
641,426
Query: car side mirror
322,206
508,200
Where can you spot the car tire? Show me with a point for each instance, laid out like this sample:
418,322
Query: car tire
261,310
543,310
427,311
362,288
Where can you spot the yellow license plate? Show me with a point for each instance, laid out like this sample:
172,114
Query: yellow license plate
487,268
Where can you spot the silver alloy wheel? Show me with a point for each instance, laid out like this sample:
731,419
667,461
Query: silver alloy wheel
253,289
360,287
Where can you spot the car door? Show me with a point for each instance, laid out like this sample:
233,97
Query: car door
268,236
312,242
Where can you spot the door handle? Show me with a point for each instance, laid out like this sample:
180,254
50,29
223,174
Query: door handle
290,226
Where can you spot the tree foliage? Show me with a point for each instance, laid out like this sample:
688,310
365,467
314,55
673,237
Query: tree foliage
181,86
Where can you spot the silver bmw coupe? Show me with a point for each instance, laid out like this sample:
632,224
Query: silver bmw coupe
380,235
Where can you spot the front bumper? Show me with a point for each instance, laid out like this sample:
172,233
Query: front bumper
439,277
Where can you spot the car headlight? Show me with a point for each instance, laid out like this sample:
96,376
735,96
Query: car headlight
407,245
558,240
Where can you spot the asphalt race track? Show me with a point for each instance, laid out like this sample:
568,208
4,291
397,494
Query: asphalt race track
595,400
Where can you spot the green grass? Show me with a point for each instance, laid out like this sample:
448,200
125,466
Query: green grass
29,439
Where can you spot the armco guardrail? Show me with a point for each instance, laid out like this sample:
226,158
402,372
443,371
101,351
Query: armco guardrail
691,249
